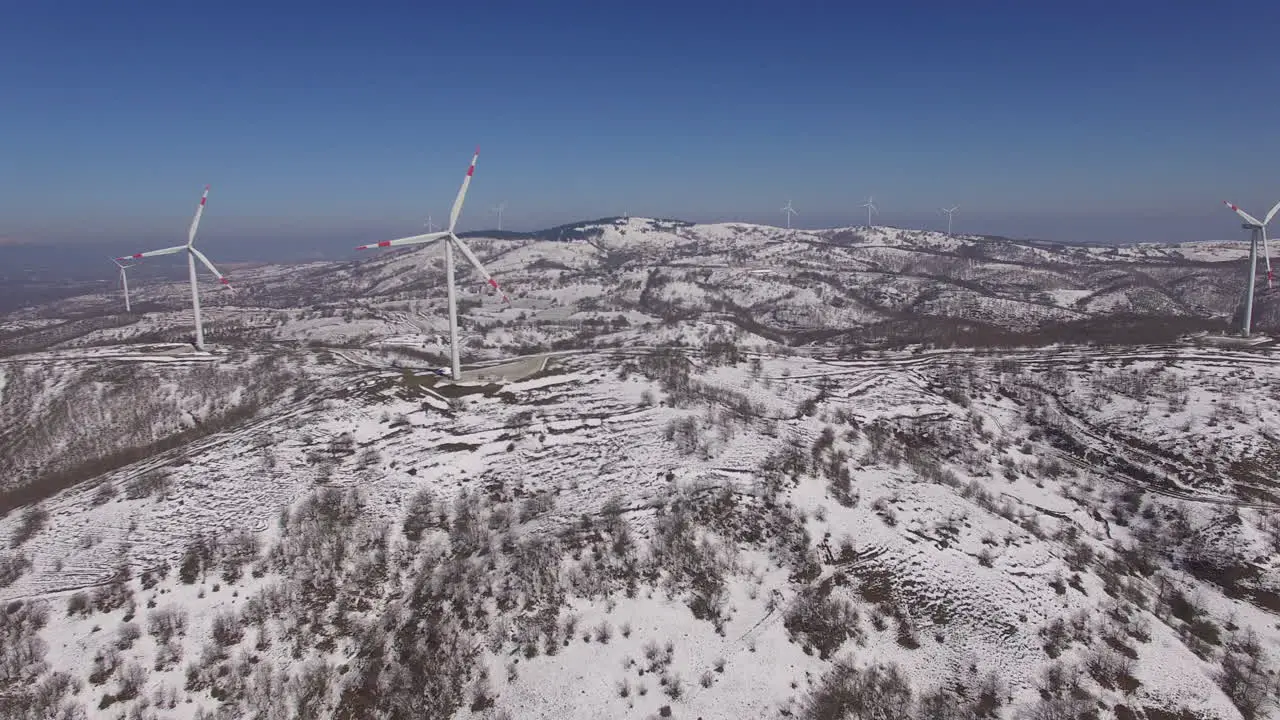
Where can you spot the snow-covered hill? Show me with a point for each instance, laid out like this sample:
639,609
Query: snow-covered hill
596,282
703,492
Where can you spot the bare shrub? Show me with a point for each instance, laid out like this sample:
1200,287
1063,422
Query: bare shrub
127,634
1109,668
672,685
130,680
419,515
226,629
32,521
879,691
1246,676
12,566
152,482
817,619
78,604
105,491
167,622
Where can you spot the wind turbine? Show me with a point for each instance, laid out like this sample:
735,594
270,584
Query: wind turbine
430,226
499,209
870,205
789,211
950,211
192,255
1255,229
451,241
124,282
1266,251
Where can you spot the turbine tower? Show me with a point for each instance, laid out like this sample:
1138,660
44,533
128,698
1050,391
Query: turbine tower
950,211
499,209
789,211
124,282
192,255
870,205
451,241
1255,229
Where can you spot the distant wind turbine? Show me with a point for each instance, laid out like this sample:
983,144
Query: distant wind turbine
1255,229
499,209
192,255
430,226
950,211
789,211
870,205
124,282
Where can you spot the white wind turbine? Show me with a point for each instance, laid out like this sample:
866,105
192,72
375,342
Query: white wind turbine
950,211
450,242
870,205
789,211
499,209
192,255
430,226
1255,229
124,282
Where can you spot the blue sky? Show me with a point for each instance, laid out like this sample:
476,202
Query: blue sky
1069,121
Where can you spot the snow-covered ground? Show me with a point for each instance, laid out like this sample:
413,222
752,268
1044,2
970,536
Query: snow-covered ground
954,566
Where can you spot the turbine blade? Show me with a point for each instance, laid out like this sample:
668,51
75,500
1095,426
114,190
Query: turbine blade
221,278
1271,214
195,221
462,192
415,240
153,253
475,262
1247,217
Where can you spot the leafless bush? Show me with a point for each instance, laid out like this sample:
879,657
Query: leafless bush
22,651
105,491
12,566
78,604
168,655
226,629
127,634
149,483
167,622
1070,707
419,515
130,679
817,619
1109,668
104,665
32,521
847,692
115,594
672,685
1247,677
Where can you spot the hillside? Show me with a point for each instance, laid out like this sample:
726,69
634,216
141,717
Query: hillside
716,486
595,283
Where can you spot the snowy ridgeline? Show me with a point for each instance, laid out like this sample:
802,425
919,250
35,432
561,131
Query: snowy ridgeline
662,533
630,281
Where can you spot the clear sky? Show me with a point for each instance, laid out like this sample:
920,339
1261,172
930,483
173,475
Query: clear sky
1108,121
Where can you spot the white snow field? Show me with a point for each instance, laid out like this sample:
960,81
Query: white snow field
952,552
692,471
